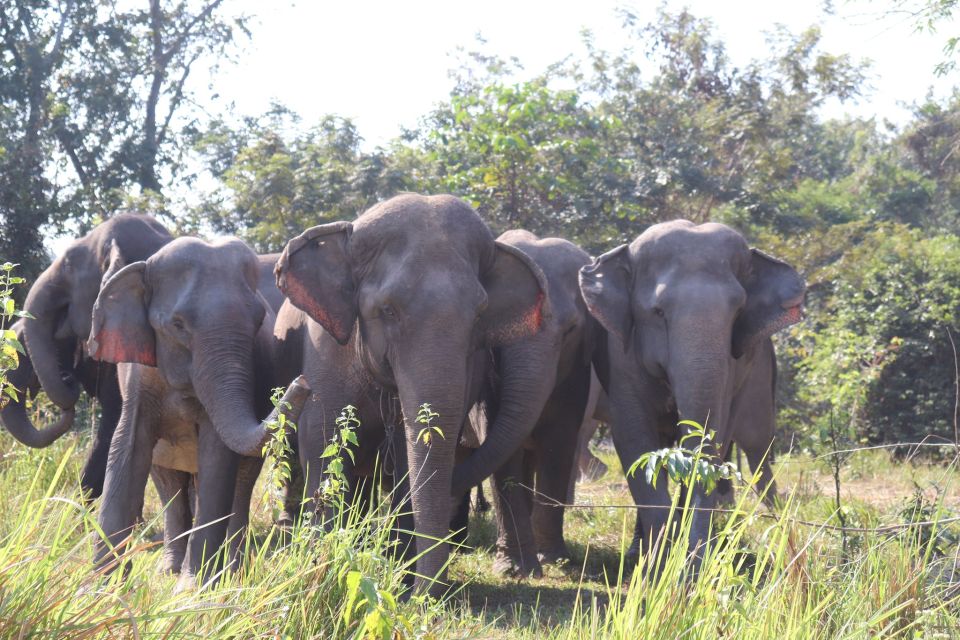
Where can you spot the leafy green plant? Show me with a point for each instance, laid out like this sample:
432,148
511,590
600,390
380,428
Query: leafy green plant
425,416
10,347
277,448
334,486
684,465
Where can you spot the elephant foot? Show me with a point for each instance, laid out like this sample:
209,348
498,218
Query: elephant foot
554,555
512,566
171,563
186,582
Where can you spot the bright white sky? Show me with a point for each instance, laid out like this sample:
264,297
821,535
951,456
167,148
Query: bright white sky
385,63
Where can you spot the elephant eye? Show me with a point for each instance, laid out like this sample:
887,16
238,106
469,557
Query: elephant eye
178,324
387,312
658,311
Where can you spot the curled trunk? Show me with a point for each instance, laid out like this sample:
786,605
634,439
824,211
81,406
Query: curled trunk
18,423
528,375
14,415
224,385
45,302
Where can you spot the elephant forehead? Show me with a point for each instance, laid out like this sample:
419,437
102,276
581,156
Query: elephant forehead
434,225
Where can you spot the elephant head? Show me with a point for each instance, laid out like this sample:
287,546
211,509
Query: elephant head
426,287
688,305
192,310
60,303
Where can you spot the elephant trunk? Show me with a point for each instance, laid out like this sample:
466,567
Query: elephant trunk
18,423
528,374
45,302
430,455
224,384
14,415
699,377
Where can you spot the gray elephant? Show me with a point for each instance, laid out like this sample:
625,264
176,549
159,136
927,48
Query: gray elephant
60,302
689,311
534,407
195,342
404,302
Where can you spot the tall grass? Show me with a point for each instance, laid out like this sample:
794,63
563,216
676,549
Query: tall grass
306,583
763,577
780,577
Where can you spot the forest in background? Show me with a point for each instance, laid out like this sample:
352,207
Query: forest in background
99,113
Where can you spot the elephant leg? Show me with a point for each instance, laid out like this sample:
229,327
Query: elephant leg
481,505
128,467
216,486
635,429
173,487
762,461
95,468
248,470
556,438
460,522
516,546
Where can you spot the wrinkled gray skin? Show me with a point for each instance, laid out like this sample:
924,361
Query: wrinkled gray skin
402,302
689,311
194,339
61,301
755,439
534,408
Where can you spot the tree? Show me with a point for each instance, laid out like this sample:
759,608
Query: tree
274,184
95,102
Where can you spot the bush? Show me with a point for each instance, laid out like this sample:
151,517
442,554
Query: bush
877,354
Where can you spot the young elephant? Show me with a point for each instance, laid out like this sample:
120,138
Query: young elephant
533,410
689,311
402,302
195,341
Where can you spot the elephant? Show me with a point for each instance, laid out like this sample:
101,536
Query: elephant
61,301
401,305
689,311
193,340
531,414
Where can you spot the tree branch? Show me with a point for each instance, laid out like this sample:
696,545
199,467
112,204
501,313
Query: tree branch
58,40
181,38
176,99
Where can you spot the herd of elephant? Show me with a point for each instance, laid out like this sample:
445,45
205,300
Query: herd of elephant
181,341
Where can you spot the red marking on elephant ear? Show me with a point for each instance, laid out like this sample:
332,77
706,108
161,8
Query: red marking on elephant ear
534,318
112,347
300,296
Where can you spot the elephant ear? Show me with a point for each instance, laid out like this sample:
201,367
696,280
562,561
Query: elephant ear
606,286
774,301
516,297
314,272
121,330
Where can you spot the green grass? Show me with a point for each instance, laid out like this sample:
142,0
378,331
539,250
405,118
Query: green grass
769,576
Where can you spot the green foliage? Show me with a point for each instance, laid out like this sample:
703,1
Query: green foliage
97,98
335,485
276,184
277,448
877,349
425,416
10,347
687,467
